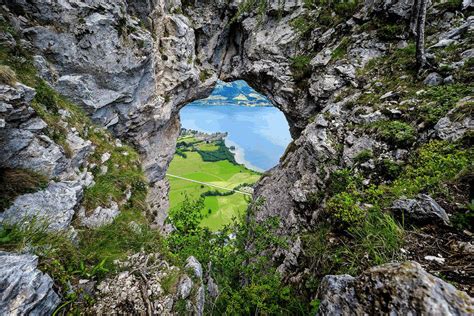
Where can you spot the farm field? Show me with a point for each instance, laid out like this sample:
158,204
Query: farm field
218,210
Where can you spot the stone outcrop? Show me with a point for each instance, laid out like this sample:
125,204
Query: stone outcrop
149,285
26,145
131,75
52,207
25,290
23,139
100,216
399,288
453,128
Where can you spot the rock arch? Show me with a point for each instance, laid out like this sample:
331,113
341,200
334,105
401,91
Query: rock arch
132,64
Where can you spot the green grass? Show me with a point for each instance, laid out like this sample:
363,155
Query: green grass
227,208
67,261
221,173
341,50
364,231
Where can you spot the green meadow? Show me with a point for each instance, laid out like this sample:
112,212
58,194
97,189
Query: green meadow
218,170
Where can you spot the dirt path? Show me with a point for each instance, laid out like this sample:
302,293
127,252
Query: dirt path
208,184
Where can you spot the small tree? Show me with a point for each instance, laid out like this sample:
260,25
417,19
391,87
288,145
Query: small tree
417,27
187,217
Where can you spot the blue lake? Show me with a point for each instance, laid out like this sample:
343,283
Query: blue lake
259,134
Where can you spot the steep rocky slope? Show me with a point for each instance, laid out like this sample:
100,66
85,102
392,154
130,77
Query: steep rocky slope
379,169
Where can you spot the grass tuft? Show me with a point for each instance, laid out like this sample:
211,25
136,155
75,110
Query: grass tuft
7,75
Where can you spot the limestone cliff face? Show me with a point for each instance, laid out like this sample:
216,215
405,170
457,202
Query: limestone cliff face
132,64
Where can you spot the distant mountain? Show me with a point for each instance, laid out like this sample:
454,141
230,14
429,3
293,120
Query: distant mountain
236,92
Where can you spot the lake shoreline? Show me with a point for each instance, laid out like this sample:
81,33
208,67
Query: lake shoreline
259,135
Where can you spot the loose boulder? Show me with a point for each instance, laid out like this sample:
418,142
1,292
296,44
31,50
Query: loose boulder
392,289
433,79
423,209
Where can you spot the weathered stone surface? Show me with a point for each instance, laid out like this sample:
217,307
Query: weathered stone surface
185,286
194,265
158,201
395,289
25,290
422,209
80,149
433,79
52,207
212,288
456,123
356,145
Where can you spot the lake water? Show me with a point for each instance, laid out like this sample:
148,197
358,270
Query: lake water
259,134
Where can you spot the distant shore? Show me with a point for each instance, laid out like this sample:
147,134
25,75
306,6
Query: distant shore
239,155
232,102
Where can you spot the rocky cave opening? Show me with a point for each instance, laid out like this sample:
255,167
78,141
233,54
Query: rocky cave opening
226,142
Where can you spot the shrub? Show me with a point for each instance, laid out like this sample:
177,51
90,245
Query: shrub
309,4
247,6
46,96
363,156
389,169
464,219
390,32
450,5
439,100
204,75
300,66
342,180
180,153
430,167
396,133
303,24
241,265
466,72
344,207
7,75
187,217
346,8
221,153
